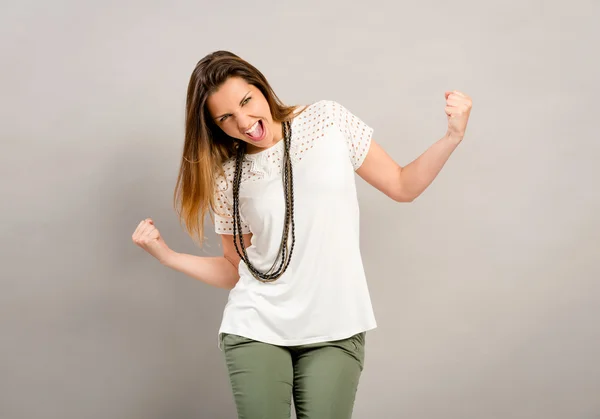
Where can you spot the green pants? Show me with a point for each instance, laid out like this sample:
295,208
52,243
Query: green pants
321,377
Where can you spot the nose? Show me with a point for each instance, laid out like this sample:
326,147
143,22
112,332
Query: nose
244,123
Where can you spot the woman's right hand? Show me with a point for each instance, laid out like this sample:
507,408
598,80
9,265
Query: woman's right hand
147,236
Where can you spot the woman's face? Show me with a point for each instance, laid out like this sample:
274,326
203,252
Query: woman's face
241,111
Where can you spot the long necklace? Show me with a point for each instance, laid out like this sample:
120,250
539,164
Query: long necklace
283,255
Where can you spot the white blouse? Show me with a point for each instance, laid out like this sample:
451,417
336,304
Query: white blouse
323,294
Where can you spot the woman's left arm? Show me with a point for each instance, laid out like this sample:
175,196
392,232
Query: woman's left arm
404,184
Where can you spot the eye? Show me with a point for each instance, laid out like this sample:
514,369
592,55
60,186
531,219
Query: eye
243,103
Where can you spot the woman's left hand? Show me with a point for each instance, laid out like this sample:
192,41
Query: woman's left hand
458,108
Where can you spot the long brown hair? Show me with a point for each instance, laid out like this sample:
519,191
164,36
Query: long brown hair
206,146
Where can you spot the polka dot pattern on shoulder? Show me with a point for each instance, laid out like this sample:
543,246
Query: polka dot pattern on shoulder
356,132
224,220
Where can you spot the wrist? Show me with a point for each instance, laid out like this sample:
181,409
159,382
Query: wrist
169,258
454,137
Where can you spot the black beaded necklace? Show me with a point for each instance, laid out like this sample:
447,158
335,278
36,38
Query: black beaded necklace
288,184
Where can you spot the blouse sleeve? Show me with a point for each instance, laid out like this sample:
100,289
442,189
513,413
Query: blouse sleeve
356,132
224,221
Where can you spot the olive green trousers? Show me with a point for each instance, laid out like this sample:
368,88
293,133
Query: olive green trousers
322,378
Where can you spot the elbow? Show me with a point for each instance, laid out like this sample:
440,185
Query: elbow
230,284
402,193
402,196
233,274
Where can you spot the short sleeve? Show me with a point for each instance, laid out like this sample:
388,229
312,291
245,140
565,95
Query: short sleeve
356,132
224,221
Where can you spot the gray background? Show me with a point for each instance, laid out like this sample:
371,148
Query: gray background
486,288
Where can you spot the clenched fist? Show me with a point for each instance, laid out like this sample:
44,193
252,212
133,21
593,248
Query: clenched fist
458,109
147,236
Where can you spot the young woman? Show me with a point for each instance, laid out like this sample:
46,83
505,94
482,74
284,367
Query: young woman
278,182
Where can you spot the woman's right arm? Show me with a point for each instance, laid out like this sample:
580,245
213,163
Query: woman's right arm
221,272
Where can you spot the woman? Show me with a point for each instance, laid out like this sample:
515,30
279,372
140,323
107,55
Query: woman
279,184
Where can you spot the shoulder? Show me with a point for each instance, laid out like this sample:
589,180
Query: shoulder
327,105
325,114
320,106
321,111
223,181
332,109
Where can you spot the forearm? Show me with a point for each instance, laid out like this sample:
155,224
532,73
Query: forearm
215,271
416,176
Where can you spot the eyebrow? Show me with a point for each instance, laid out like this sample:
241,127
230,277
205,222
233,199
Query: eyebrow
241,101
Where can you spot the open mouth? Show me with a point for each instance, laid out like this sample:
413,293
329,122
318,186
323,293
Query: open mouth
257,132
